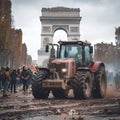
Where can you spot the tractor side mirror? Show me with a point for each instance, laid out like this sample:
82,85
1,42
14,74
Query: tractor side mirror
52,53
91,49
47,48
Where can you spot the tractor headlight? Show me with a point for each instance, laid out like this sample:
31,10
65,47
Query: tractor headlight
63,70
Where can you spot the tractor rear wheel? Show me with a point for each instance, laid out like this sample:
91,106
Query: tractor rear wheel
100,83
60,93
37,90
82,85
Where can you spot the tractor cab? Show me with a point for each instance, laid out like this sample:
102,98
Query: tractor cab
80,51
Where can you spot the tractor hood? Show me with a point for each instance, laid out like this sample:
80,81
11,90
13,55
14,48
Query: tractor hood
66,64
63,60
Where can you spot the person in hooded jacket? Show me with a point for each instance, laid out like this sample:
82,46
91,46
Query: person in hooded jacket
26,77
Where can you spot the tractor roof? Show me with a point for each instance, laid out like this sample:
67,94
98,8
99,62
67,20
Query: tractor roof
75,42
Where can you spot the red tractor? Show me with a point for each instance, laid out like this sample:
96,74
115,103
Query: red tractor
70,66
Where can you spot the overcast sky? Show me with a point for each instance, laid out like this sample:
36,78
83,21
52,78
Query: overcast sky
99,19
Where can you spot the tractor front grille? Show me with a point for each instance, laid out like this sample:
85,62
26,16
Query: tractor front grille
59,68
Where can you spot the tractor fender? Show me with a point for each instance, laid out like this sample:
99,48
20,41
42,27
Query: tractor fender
43,68
46,70
95,66
83,69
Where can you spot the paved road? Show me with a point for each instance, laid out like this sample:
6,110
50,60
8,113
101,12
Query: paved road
23,106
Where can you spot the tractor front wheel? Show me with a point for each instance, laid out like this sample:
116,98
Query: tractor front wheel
37,90
82,85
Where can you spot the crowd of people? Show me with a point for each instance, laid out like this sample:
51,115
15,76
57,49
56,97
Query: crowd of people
11,79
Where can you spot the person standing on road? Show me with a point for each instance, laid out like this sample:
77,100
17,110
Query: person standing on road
6,82
25,76
13,80
2,77
117,80
18,79
31,74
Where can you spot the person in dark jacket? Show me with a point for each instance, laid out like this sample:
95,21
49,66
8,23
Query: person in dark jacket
26,76
13,80
6,73
2,77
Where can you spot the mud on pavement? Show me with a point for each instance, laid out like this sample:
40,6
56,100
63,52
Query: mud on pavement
21,106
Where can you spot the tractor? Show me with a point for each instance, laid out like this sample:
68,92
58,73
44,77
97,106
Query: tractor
70,66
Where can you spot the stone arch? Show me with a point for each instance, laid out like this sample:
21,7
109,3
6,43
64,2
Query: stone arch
56,18
60,28
60,34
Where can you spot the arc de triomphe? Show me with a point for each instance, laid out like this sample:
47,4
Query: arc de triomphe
56,18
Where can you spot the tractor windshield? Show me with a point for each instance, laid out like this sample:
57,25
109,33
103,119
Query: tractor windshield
71,51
